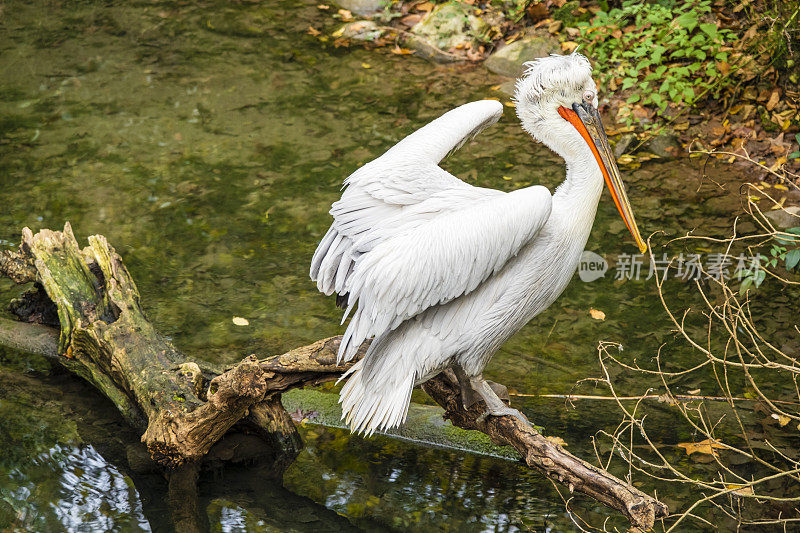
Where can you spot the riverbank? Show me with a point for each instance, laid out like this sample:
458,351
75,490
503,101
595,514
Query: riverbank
692,77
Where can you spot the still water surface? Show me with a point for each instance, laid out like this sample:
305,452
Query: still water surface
207,141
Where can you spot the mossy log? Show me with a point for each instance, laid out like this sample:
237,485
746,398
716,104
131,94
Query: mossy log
185,406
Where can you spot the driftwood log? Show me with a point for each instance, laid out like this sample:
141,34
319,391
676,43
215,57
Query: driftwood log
84,310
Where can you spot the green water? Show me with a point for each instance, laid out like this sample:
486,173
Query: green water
207,141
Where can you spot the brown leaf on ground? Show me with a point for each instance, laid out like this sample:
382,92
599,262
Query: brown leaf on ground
424,6
641,112
777,146
751,32
555,26
411,20
569,46
401,51
537,12
774,99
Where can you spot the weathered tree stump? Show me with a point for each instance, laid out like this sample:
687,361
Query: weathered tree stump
185,406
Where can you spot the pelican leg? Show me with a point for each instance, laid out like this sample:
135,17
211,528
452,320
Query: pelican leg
469,396
494,405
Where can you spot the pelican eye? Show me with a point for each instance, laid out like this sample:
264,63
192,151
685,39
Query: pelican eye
588,97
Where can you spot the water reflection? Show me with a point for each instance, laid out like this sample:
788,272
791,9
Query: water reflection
83,492
385,484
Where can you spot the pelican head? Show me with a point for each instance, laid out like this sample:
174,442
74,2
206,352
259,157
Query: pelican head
556,102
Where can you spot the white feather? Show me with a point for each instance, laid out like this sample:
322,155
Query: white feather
439,271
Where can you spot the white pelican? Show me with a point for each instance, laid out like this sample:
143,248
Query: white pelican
442,273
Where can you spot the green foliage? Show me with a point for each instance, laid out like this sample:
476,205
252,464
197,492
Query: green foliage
796,153
513,9
571,14
785,251
669,52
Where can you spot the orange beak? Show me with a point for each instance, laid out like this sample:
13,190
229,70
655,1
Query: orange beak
586,119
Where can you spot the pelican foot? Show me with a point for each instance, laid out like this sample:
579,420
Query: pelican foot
500,390
503,411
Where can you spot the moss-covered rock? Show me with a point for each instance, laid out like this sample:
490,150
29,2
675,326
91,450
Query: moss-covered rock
509,60
450,25
360,30
362,7
665,145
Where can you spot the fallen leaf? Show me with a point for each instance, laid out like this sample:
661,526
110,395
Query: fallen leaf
741,490
695,391
366,65
774,98
411,20
782,419
626,129
557,440
323,6
707,446
597,314
239,321
554,26
313,31
569,46
401,51
537,12
346,15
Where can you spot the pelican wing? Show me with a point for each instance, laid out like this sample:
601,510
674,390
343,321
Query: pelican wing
407,235
437,261
399,190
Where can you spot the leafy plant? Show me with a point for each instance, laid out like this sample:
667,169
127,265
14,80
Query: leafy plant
661,52
796,153
782,252
785,250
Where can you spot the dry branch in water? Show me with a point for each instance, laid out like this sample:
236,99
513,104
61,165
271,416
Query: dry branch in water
185,406
749,473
